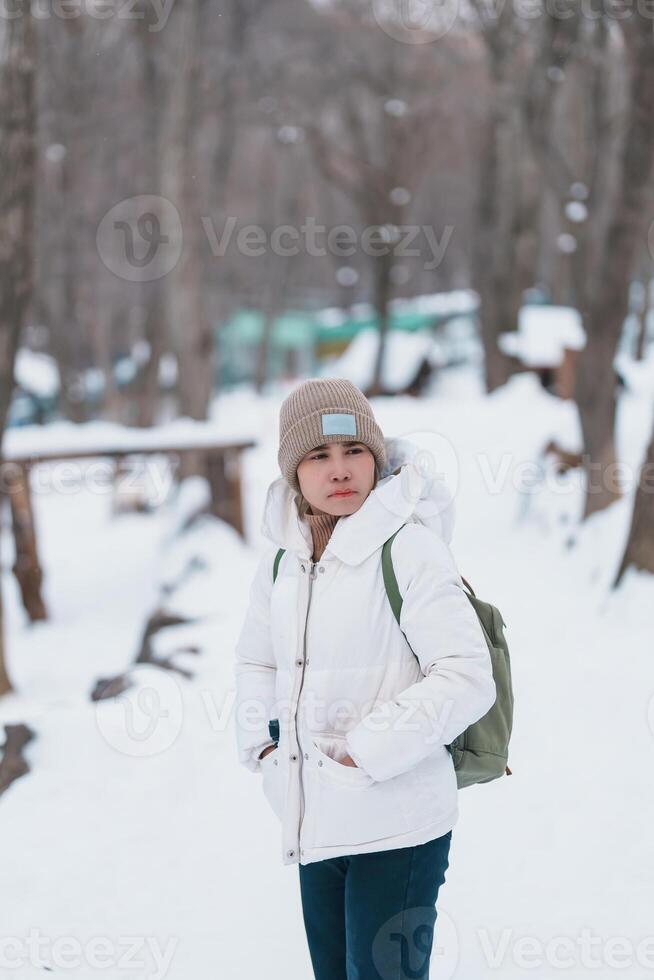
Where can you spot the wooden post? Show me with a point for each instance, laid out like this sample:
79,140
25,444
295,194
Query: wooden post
565,374
224,474
12,762
236,489
217,477
27,568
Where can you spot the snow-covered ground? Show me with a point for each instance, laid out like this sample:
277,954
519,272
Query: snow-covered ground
137,847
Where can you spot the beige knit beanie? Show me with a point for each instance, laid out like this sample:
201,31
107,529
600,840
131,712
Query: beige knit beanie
323,410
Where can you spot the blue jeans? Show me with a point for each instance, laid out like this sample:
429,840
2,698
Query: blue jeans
371,916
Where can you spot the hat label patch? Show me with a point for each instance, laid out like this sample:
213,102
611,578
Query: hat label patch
339,425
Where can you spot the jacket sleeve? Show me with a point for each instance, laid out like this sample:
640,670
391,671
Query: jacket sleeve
255,670
444,632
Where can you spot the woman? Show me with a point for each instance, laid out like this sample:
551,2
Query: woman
359,776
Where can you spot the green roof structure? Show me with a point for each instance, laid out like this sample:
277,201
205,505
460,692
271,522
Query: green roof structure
300,338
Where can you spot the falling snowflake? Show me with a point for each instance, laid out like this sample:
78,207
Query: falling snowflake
55,153
289,134
579,191
576,211
400,275
555,74
400,196
347,276
395,107
566,244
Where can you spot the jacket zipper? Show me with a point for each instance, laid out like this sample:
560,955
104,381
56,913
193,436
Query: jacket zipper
297,710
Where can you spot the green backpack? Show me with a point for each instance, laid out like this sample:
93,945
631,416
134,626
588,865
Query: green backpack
479,753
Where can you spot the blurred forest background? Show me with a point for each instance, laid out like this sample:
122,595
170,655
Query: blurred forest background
202,202
511,151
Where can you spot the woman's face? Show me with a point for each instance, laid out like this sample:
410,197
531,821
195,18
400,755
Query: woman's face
338,466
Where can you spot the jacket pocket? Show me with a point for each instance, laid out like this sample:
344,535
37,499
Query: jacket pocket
273,782
349,806
330,747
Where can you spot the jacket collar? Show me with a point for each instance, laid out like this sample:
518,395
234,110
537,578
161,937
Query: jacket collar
407,495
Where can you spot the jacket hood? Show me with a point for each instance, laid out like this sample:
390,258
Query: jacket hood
405,493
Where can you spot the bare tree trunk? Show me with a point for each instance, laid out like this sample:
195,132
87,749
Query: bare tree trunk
646,275
275,273
62,305
234,65
263,350
492,256
65,214
155,327
382,294
373,152
609,302
17,166
504,252
639,551
191,334
517,153
155,333
5,683
274,302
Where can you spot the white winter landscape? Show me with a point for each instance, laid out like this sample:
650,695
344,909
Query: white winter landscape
137,846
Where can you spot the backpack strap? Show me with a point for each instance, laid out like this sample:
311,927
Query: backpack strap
388,572
278,558
390,581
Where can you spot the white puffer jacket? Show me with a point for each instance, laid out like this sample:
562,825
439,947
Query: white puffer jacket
323,653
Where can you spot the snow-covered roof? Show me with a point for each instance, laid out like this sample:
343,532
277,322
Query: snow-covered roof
65,437
543,334
331,316
456,301
404,354
36,373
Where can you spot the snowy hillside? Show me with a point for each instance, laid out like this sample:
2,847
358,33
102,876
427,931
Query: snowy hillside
139,837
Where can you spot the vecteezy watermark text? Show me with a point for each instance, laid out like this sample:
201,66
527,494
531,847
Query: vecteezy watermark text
144,955
426,21
141,238
147,478
319,240
147,719
155,477
563,952
156,16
